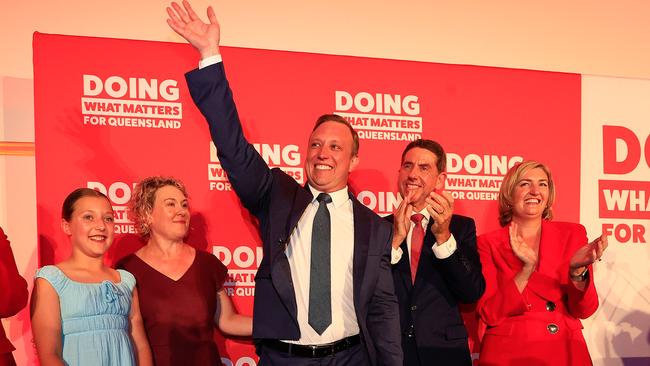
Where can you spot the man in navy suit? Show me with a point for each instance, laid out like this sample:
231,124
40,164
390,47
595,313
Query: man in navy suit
435,261
354,320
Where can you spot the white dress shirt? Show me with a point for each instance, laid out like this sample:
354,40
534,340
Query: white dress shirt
344,319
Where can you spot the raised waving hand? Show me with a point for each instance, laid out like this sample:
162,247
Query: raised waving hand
203,36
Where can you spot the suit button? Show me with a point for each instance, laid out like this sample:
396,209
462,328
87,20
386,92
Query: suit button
410,333
414,307
552,328
550,305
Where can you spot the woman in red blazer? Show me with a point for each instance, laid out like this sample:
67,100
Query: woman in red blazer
13,295
538,277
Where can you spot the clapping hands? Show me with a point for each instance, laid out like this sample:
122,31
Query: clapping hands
523,251
587,254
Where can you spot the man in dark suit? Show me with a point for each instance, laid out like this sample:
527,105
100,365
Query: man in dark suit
435,261
308,309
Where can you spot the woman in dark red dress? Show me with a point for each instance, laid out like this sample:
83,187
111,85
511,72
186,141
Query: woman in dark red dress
181,288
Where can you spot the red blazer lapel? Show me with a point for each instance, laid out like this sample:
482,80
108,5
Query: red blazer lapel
505,251
546,281
551,250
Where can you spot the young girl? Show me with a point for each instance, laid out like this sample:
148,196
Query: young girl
84,312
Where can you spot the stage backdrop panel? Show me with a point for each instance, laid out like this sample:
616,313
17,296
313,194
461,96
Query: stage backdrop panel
109,112
615,198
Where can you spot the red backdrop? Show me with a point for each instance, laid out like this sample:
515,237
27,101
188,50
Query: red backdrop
110,112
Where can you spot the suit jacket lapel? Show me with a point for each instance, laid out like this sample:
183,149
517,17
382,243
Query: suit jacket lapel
300,202
505,249
361,243
549,260
550,248
280,270
403,267
426,253
545,284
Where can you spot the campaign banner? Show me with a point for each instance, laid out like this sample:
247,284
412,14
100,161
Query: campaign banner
110,112
615,199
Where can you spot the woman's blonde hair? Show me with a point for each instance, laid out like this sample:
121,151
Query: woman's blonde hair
144,197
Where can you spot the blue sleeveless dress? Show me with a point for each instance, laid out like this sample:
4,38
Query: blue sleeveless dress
94,318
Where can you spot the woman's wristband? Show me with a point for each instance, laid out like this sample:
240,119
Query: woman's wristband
581,277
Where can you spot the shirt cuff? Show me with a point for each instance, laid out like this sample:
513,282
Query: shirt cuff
395,255
211,60
446,249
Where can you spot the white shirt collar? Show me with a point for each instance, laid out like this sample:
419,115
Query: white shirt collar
338,198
